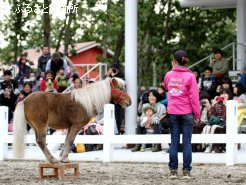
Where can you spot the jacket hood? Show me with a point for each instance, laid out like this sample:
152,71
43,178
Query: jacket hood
181,69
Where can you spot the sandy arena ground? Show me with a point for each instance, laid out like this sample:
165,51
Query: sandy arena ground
98,173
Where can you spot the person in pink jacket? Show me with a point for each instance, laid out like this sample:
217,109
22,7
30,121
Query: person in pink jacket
183,109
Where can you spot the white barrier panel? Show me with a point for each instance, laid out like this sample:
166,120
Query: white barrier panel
231,138
3,132
231,132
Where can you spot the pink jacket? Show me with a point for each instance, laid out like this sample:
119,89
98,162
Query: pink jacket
183,93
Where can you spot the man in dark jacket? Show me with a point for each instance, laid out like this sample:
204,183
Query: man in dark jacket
42,60
55,63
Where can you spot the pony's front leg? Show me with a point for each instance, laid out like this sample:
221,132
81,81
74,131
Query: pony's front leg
69,141
41,141
61,154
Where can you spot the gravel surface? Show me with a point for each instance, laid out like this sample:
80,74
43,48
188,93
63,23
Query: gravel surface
97,173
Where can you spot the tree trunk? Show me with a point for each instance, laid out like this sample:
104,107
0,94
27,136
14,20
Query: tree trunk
106,35
119,45
67,31
61,33
46,24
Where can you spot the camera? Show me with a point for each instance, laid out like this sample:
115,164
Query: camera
203,102
114,70
219,99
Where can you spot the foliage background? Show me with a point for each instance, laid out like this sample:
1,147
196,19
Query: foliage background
163,27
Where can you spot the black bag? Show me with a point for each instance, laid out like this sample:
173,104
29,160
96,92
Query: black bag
91,130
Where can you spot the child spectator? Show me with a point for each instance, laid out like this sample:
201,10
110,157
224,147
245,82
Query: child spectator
62,80
161,90
48,85
148,111
208,82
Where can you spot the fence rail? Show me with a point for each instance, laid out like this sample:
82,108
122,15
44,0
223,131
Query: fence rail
231,138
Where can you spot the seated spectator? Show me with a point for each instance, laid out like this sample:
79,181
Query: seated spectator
94,127
208,82
154,100
146,122
49,84
220,65
55,63
242,80
62,81
217,120
77,83
24,70
34,82
162,91
8,81
8,99
197,74
22,95
27,87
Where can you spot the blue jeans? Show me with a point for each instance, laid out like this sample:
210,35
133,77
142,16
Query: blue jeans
181,124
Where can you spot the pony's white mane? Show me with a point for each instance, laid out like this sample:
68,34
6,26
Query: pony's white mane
93,97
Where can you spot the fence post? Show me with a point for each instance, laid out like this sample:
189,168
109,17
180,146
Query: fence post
231,132
109,119
3,132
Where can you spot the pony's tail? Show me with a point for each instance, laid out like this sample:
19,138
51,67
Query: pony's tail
19,123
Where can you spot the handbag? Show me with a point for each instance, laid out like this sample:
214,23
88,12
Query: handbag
214,120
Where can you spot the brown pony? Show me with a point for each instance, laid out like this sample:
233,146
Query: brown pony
70,111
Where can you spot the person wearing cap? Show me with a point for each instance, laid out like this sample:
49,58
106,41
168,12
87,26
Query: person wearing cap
148,112
183,110
24,70
219,64
55,63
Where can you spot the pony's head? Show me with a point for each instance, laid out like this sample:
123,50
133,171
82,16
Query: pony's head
118,92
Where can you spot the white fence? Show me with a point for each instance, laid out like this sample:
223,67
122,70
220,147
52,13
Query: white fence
231,138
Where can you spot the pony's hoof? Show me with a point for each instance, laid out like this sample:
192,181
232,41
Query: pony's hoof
65,160
53,161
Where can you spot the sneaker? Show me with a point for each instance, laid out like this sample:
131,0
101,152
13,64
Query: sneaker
173,174
142,149
208,149
186,175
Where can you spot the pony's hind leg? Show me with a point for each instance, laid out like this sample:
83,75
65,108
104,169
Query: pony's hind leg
73,131
41,141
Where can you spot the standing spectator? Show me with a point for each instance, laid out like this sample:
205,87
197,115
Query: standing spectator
62,80
208,83
220,65
24,70
42,60
183,107
55,63
8,81
114,71
48,84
